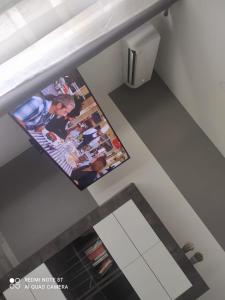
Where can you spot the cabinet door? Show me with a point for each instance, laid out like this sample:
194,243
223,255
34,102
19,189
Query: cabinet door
136,226
45,293
167,270
116,241
144,282
19,294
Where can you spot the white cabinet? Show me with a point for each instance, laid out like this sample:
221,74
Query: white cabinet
49,290
136,226
19,294
116,241
167,270
140,254
144,282
36,290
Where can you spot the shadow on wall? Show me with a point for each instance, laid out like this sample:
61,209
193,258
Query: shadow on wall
38,202
23,174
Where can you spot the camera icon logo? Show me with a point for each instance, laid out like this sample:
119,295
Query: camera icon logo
14,283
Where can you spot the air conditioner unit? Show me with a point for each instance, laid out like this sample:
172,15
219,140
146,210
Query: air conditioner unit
140,49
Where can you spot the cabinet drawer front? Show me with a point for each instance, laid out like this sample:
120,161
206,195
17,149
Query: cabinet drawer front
116,241
144,282
19,294
167,270
43,272
136,226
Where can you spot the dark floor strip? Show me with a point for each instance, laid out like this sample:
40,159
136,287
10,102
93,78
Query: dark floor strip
187,155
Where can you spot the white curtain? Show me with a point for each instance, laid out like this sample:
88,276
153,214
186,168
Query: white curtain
39,39
6,4
27,21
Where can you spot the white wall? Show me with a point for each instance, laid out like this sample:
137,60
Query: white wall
191,62
103,74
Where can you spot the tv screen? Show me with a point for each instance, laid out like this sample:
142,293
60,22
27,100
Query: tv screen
65,121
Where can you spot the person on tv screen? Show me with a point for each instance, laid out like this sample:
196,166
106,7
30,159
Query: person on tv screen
76,131
91,137
61,125
86,175
37,112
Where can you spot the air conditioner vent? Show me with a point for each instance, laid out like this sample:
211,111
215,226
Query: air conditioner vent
132,55
140,49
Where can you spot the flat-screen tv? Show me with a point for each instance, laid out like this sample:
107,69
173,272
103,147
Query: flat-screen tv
66,122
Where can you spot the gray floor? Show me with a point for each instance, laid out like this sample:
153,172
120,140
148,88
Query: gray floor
187,155
37,203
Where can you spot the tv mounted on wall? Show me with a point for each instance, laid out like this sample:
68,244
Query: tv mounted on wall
65,120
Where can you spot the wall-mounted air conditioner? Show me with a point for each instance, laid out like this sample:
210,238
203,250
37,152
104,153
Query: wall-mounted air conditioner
140,49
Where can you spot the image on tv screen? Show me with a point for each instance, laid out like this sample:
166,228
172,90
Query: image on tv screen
65,120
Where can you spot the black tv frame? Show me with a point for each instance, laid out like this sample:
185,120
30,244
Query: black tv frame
31,138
